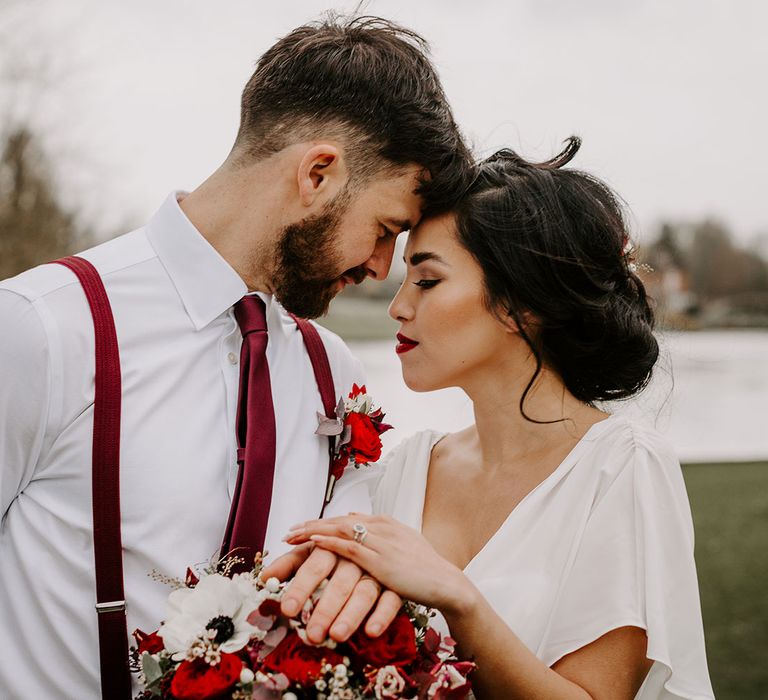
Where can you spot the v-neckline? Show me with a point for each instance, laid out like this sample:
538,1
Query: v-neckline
568,461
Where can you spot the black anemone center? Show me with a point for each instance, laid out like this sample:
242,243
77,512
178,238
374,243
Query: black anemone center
224,627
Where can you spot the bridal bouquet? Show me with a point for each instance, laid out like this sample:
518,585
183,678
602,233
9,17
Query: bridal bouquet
224,637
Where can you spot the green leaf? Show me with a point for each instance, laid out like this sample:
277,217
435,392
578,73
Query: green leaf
152,670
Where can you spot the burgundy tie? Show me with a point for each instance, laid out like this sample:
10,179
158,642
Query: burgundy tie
247,525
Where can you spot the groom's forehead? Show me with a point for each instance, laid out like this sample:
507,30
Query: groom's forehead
398,204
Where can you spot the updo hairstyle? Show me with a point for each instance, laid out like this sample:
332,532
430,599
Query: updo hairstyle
552,245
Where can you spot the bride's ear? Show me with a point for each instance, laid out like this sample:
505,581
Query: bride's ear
526,320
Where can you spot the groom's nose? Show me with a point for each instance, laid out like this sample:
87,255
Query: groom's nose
377,266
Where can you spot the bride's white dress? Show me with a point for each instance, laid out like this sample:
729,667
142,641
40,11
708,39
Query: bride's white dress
605,541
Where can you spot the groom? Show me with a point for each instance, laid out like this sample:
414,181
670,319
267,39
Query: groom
345,140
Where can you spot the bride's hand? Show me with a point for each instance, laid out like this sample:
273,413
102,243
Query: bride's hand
399,557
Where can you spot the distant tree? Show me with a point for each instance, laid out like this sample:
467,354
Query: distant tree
669,244
667,250
35,226
719,268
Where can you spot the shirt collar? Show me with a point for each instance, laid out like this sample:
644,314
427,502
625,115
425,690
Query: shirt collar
206,283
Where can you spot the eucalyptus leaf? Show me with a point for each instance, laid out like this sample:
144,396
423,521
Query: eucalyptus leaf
151,668
328,426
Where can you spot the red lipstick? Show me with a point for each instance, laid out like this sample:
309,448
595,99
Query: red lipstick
404,344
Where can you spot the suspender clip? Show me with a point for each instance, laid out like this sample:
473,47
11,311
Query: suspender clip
111,606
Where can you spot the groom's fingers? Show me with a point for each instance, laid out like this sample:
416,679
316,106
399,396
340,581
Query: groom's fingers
356,609
335,595
318,566
386,610
285,566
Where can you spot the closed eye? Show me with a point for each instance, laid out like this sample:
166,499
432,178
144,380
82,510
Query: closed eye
427,284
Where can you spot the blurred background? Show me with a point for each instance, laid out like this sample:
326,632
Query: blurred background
105,107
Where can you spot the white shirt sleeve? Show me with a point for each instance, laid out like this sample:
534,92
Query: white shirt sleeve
634,566
24,394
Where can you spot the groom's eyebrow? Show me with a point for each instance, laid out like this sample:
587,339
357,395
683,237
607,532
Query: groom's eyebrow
400,224
418,258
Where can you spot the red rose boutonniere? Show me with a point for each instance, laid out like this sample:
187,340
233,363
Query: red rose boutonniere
356,429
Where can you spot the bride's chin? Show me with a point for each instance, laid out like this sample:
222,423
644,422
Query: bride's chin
416,381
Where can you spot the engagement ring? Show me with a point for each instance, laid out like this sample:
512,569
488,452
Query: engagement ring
361,532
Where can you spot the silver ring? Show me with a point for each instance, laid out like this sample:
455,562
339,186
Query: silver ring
360,532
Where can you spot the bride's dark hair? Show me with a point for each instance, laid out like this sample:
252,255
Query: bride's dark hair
551,243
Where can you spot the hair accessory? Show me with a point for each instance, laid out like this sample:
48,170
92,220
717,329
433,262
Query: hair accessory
629,254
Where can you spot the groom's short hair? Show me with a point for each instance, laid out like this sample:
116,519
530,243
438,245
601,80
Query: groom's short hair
369,82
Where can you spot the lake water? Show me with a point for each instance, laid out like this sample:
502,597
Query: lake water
708,396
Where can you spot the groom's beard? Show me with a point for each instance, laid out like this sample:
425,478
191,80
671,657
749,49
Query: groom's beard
307,274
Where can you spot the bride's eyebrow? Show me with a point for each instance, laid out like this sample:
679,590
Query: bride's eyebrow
418,258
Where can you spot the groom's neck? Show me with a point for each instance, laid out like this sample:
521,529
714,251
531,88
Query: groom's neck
238,212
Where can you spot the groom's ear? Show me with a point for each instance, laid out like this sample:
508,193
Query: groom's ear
321,174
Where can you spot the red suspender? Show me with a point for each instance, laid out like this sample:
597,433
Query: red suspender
320,365
107,543
324,379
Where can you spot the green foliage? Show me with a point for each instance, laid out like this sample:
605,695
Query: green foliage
153,672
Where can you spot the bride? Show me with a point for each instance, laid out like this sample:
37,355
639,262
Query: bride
554,538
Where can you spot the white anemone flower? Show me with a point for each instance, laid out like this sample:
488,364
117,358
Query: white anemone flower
215,603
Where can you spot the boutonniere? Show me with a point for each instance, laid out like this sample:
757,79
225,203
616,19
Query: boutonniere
355,431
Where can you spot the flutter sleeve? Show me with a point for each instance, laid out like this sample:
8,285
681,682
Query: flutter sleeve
399,489
633,565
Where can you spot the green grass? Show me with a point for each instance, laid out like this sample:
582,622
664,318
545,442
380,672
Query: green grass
360,319
730,512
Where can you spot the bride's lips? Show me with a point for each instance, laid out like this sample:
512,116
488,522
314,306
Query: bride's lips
404,344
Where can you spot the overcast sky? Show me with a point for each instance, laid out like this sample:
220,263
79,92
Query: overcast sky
669,96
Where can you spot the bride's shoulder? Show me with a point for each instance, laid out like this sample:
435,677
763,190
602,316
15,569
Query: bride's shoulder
631,457
634,438
403,470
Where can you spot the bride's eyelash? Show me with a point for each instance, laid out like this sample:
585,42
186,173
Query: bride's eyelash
427,284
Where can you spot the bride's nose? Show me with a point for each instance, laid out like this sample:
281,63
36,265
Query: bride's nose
400,309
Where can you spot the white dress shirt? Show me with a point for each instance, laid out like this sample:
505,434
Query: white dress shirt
172,297
604,541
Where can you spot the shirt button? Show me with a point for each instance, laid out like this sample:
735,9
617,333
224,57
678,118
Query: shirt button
232,358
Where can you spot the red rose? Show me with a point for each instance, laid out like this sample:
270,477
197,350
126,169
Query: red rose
150,643
196,680
365,442
396,647
299,662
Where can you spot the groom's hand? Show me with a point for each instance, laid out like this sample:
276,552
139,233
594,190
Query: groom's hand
346,601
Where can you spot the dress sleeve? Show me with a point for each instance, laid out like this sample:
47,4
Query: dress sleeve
24,394
390,472
634,566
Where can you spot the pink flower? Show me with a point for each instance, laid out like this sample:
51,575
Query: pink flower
389,683
450,680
